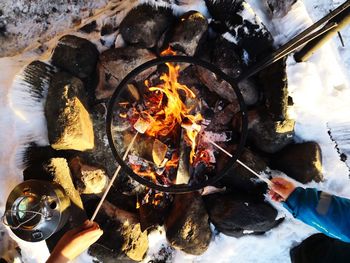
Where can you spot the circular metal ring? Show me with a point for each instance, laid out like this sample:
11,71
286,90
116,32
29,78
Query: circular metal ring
180,188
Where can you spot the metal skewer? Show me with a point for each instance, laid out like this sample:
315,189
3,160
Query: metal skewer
113,178
301,39
241,163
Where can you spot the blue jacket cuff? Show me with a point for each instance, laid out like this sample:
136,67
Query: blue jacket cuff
291,204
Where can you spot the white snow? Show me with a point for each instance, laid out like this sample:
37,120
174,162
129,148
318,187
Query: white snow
321,93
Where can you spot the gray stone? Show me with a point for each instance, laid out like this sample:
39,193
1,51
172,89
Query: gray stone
59,171
89,179
274,82
302,162
249,92
115,64
68,121
75,55
188,32
240,214
216,84
187,225
226,57
145,24
268,135
221,87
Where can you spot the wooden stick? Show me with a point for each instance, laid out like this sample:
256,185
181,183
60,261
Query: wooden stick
241,163
113,178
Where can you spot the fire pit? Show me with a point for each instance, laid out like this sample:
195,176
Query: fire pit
173,124
174,150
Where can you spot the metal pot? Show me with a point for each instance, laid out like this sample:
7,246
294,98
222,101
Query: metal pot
36,209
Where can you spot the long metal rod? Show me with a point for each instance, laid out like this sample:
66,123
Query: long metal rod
292,43
306,40
241,163
113,178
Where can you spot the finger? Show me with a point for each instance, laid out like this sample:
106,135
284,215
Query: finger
89,233
276,197
279,181
271,193
278,187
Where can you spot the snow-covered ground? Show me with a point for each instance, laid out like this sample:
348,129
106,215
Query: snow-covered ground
321,93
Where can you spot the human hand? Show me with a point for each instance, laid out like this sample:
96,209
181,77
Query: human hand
74,242
280,189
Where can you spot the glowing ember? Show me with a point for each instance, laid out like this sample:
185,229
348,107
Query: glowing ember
168,52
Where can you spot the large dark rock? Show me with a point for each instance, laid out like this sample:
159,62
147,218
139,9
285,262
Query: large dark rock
226,11
75,55
145,24
267,135
187,225
255,39
226,56
216,84
222,118
115,64
320,248
302,162
188,32
250,34
238,177
275,84
240,214
68,121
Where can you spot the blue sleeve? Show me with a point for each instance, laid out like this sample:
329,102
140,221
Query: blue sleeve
328,213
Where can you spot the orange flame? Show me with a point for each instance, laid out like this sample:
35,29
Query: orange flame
175,112
147,173
168,52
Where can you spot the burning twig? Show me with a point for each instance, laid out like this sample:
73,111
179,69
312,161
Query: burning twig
183,174
113,178
241,163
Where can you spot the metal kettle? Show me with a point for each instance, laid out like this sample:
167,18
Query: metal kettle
36,209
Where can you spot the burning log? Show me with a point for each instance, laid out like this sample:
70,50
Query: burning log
183,170
131,93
